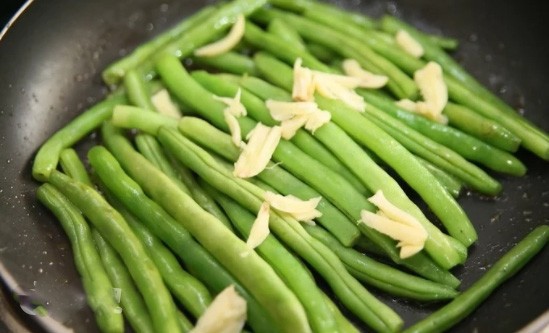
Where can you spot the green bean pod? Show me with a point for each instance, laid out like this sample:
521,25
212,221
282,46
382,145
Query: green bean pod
97,286
249,268
376,178
286,33
481,127
131,301
116,71
449,182
285,264
533,138
113,226
383,276
199,262
230,62
72,166
438,154
207,136
47,157
274,44
507,266
399,83
190,292
256,109
463,144
350,292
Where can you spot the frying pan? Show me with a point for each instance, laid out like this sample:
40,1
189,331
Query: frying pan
50,64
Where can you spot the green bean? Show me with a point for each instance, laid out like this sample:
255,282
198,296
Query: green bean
383,276
439,200
444,42
139,96
250,269
302,6
286,33
449,182
507,266
376,178
256,109
333,186
184,323
117,70
133,306
533,138
137,91
230,62
190,292
199,262
343,324
113,227
322,53
399,83
419,263
284,263
126,116
463,144
213,139
349,291
203,32
441,156
153,152
274,44
72,166
97,286
48,155
480,127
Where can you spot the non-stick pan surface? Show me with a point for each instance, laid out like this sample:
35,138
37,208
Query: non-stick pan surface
50,64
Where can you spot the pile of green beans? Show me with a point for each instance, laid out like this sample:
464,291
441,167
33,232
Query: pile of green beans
158,215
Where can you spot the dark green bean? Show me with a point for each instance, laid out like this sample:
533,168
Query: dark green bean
285,264
256,109
199,262
349,291
250,269
113,227
190,292
98,287
399,83
533,138
333,186
463,144
301,6
383,276
481,127
501,271
48,155
213,139
438,244
132,304
441,156
274,44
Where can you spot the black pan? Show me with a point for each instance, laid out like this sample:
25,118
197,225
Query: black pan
50,64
